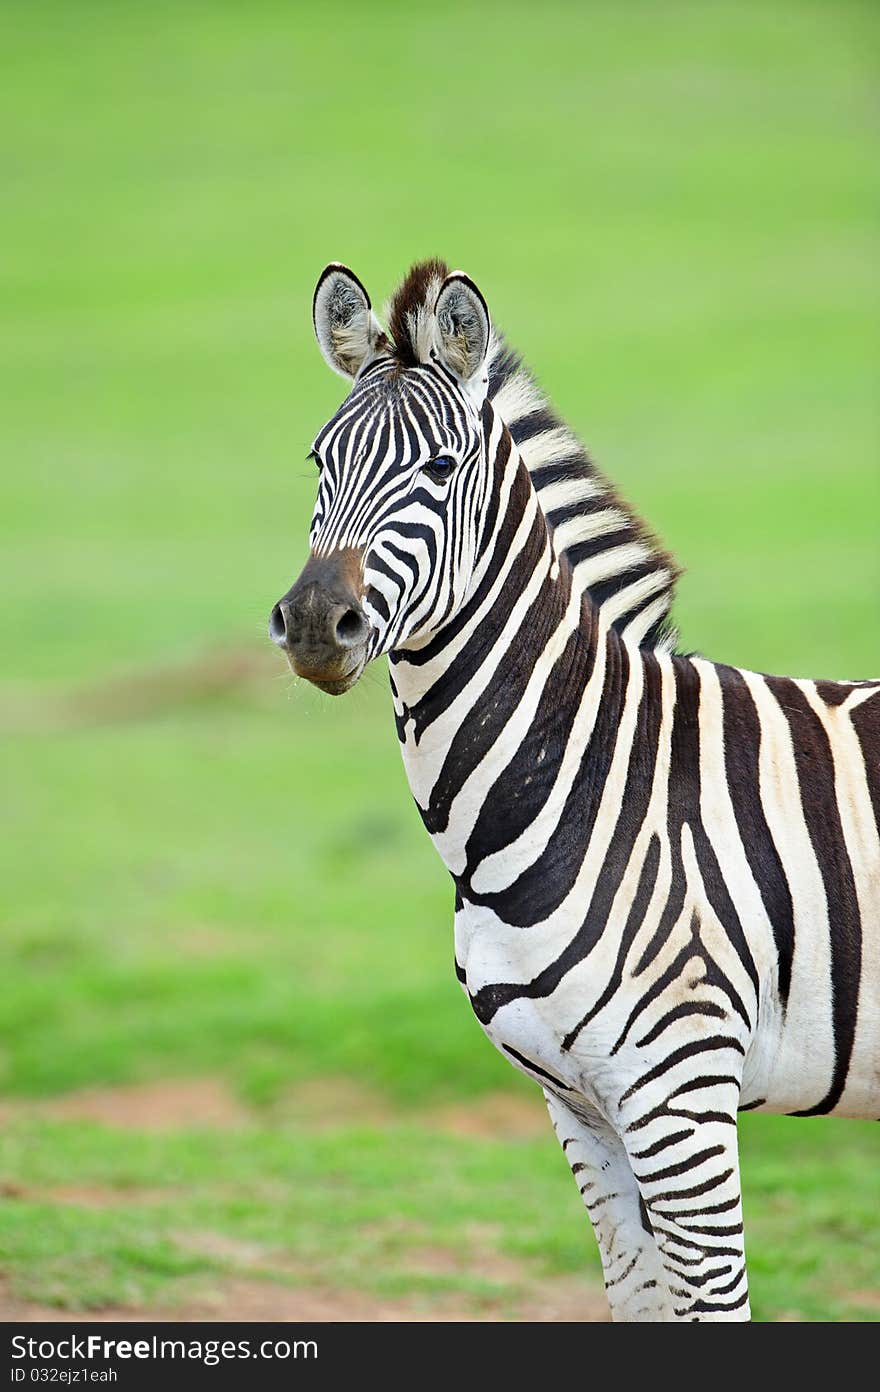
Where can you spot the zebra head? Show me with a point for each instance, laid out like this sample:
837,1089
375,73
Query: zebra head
403,474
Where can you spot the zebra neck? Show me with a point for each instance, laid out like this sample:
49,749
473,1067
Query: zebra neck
526,644
616,559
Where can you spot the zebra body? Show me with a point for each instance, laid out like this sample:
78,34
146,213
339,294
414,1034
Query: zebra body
739,874
667,871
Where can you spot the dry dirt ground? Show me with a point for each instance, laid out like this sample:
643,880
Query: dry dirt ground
238,1299
174,1103
207,1102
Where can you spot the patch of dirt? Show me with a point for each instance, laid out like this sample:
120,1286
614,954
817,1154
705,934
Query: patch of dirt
142,693
85,1195
316,1105
495,1115
324,1104
431,1261
489,1264
100,1195
228,1249
866,1299
210,940
260,1300
566,1300
159,1106
557,1300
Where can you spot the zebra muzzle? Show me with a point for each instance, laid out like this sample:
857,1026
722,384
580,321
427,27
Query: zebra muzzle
320,625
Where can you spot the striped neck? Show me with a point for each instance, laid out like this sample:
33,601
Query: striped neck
524,645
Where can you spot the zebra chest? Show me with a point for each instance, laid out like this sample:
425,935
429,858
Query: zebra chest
527,1030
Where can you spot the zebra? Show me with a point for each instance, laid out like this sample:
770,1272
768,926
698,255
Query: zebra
666,870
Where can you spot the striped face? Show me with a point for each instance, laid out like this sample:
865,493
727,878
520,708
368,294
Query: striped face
404,475
402,482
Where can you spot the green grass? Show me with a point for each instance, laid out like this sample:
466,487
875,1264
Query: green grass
676,219
315,1209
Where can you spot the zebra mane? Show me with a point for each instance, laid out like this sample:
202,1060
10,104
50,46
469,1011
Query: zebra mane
615,557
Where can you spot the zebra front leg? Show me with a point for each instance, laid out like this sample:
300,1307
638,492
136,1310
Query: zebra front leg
687,1168
634,1277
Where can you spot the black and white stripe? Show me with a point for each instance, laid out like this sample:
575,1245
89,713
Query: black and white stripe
667,870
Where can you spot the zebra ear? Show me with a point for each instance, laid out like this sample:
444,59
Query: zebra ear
463,326
345,326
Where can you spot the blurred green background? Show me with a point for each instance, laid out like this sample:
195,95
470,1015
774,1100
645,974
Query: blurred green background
236,1068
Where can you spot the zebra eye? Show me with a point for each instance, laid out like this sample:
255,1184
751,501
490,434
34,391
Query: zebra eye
441,468
313,455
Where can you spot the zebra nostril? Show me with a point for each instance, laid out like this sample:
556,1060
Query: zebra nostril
351,628
278,626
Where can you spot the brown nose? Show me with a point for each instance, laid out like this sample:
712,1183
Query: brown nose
319,621
314,621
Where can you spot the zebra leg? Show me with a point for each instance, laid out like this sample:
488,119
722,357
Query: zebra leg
634,1277
687,1168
